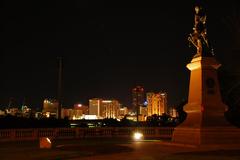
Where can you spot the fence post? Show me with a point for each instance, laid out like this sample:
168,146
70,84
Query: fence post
35,133
13,134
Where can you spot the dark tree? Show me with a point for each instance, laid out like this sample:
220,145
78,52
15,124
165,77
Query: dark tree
180,110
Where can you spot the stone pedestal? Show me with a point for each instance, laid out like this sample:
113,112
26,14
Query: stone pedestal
205,122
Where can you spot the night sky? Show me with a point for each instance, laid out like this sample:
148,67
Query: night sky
107,48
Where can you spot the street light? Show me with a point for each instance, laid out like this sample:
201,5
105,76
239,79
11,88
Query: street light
137,136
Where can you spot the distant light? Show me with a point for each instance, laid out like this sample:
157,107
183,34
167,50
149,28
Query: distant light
47,114
89,117
163,94
106,101
79,105
49,140
46,101
145,103
137,136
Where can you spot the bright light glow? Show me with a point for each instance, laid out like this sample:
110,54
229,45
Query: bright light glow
46,101
48,140
90,117
145,103
47,114
107,101
79,105
137,136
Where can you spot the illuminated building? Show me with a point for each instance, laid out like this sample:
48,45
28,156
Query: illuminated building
26,111
71,114
131,117
13,111
156,103
137,99
83,108
143,113
123,111
77,112
50,107
111,108
143,110
2,113
173,112
104,108
38,115
95,107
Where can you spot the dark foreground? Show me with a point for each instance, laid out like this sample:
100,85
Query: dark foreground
114,149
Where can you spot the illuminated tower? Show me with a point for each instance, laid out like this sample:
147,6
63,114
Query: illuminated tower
111,108
95,107
137,98
163,103
157,103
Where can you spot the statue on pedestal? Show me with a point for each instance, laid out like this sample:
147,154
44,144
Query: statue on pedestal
199,36
205,124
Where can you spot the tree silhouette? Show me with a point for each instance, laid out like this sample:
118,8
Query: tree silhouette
180,110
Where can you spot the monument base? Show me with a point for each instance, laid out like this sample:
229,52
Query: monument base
206,127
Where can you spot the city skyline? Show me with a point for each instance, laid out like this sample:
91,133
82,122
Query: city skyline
105,56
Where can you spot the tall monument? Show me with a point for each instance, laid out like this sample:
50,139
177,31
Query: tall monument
205,122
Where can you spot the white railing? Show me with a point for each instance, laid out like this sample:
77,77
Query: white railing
72,133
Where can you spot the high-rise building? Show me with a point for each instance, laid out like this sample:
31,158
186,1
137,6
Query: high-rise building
156,103
137,99
95,107
104,108
111,108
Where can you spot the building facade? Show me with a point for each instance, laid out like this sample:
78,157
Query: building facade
137,99
104,108
83,108
123,111
95,107
111,108
156,103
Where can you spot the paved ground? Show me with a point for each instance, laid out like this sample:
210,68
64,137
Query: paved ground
113,149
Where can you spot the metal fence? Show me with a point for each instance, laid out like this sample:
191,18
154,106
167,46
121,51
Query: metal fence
75,133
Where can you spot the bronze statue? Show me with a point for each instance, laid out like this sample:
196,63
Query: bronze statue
199,36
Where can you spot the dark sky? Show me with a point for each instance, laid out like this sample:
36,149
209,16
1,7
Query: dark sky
107,48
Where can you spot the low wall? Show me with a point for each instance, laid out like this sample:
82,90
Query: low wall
75,133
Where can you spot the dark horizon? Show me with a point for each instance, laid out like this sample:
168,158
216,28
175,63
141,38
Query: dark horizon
106,55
